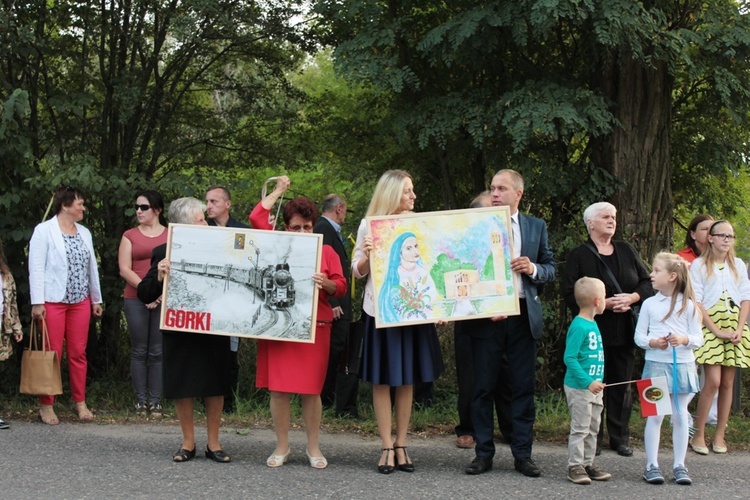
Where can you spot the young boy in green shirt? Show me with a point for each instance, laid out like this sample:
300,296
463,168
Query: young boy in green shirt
584,359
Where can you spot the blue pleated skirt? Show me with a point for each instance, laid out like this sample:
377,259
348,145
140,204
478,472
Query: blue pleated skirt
687,375
403,355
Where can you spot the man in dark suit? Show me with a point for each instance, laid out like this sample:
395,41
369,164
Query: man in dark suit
513,336
218,201
338,386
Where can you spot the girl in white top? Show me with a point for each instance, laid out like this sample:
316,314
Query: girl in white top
722,290
669,328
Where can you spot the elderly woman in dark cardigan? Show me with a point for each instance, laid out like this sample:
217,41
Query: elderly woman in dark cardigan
630,286
195,365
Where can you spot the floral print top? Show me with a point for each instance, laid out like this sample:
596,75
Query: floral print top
78,257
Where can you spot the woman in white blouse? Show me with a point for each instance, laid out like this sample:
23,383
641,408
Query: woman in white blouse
722,290
65,291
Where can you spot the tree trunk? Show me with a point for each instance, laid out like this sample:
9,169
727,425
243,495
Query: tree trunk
637,153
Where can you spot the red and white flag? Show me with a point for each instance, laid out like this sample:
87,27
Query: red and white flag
654,394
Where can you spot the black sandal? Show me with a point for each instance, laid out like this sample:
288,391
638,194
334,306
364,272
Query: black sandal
217,456
183,455
407,466
385,468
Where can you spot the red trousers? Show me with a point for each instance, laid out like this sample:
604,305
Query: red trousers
70,322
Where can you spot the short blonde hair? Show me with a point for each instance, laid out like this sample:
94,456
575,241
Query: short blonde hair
515,177
183,210
587,289
387,196
595,209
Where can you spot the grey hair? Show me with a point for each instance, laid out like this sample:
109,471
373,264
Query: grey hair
183,210
482,200
595,209
332,201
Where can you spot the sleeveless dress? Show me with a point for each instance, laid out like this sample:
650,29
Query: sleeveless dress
716,351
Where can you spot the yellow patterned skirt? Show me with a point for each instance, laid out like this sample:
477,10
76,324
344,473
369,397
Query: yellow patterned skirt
716,351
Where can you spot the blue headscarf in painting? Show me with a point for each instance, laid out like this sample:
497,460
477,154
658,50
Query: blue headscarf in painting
385,304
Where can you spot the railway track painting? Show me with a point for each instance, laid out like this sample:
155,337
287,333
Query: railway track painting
241,282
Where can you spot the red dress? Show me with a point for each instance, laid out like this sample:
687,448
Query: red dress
294,366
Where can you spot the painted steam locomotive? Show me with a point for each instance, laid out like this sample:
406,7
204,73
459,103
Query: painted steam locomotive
274,284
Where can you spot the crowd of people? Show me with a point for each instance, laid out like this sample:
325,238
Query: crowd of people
690,309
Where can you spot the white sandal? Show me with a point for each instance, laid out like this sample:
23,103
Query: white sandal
278,460
317,462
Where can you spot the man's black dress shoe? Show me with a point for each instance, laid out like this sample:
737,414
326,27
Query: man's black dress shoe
624,451
527,467
479,465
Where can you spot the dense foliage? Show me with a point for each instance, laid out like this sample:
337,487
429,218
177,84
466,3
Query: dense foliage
642,103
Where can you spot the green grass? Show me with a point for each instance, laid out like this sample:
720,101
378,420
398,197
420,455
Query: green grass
112,400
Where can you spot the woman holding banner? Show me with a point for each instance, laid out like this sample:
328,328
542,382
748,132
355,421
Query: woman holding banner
287,368
195,365
396,357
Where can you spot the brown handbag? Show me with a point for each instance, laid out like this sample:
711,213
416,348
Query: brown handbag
40,368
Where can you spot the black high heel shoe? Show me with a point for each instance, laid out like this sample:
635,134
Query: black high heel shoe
385,468
407,465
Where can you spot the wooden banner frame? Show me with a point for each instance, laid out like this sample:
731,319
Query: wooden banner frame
459,270
241,282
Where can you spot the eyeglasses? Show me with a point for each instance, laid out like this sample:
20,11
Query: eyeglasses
723,236
142,208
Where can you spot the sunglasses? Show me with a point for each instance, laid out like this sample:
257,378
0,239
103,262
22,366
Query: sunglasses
142,208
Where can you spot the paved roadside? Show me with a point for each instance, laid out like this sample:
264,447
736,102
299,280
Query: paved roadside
75,460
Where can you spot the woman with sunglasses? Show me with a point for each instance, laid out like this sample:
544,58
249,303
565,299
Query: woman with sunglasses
134,258
722,291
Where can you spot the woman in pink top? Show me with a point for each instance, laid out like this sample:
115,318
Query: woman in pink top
134,258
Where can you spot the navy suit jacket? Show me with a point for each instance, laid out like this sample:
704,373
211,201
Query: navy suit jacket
535,246
331,237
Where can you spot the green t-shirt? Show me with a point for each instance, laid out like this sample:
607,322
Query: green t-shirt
584,355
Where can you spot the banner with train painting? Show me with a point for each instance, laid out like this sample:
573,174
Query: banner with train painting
449,265
241,282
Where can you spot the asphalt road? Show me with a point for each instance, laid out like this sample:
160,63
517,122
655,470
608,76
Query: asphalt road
76,460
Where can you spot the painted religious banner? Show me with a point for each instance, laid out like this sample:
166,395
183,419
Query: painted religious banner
241,282
448,265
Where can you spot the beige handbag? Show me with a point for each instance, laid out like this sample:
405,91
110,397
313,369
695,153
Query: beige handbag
40,368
